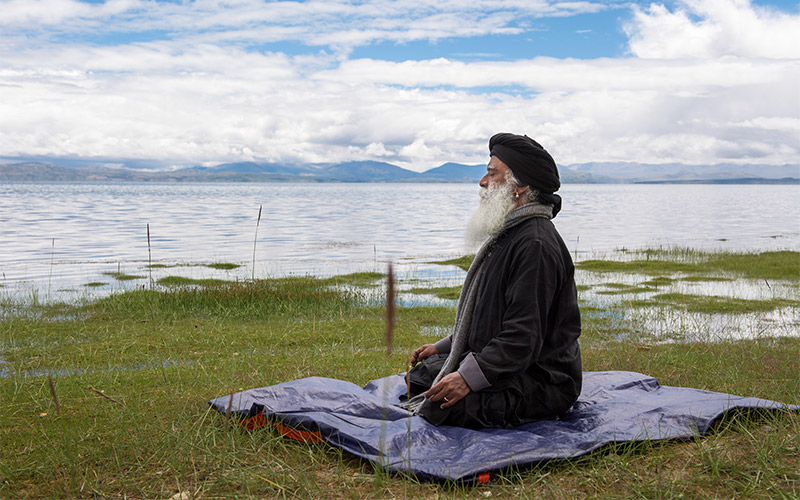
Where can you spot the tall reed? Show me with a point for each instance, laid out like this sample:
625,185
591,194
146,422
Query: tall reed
390,307
50,277
255,240
149,257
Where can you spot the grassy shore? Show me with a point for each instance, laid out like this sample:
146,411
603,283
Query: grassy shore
127,414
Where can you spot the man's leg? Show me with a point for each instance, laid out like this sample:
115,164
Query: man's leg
477,410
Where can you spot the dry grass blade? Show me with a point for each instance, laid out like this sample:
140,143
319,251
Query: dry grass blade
50,276
103,394
149,257
255,240
228,411
390,306
53,393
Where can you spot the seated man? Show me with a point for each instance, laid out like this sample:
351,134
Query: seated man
513,356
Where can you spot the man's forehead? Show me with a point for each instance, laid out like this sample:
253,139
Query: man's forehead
496,164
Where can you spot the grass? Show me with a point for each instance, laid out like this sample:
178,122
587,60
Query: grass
463,262
366,279
225,266
183,281
443,292
161,355
622,288
93,284
124,277
782,265
714,304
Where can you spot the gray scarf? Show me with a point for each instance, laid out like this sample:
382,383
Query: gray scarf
466,301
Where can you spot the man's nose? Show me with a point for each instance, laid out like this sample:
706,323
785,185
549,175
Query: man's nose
484,181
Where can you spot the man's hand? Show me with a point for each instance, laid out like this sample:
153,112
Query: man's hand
423,352
451,388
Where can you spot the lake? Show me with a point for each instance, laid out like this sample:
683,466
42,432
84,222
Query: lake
55,238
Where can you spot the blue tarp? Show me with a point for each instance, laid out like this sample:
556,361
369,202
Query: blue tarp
614,407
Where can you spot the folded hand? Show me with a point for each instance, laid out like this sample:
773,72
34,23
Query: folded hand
451,389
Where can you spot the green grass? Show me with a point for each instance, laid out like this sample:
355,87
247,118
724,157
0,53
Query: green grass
95,284
365,279
621,288
782,265
183,281
163,354
463,262
123,276
443,292
654,267
714,304
225,266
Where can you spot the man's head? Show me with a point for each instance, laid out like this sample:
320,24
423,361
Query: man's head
528,160
519,171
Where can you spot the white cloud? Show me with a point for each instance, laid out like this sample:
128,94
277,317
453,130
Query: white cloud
200,98
714,28
336,23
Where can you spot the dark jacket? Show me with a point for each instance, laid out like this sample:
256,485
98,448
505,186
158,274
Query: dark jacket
524,332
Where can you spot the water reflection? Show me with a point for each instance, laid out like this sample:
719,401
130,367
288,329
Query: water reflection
56,238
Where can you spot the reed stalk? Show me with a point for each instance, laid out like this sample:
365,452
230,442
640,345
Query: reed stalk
390,310
255,240
149,257
228,411
388,340
50,277
103,394
53,393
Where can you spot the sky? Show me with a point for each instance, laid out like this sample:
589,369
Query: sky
415,83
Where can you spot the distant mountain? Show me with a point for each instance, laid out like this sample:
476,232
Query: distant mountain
372,171
244,167
676,172
451,172
364,171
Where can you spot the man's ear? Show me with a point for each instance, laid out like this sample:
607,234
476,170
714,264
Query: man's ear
521,191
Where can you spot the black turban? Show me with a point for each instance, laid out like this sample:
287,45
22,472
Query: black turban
528,160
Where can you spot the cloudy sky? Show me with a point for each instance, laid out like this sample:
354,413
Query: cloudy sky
415,83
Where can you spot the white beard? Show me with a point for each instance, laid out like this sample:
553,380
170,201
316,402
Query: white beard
487,220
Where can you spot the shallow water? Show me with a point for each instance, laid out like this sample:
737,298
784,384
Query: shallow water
56,238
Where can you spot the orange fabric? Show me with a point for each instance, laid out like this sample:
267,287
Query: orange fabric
254,422
260,420
305,436
484,478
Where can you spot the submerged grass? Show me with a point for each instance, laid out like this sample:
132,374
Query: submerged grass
365,279
714,304
463,262
124,277
443,292
225,266
161,355
782,265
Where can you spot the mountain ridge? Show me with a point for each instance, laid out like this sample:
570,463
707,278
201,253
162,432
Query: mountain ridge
373,171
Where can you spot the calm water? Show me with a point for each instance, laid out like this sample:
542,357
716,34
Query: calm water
55,238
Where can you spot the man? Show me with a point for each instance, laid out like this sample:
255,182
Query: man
513,356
